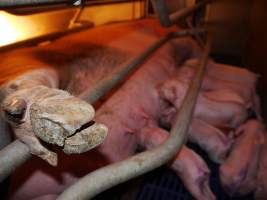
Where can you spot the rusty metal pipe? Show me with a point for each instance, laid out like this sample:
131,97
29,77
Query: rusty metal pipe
91,96
114,174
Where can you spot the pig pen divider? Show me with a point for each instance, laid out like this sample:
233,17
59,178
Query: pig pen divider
16,153
114,174
167,19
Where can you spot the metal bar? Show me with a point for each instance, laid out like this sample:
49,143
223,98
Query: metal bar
196,33
162,12
16,3
167,19
176,16
12,156
23,10
5,138
7,4
114,174
91,96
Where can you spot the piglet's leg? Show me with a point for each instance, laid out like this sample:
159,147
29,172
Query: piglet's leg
238,173
261,191
211,139
188,165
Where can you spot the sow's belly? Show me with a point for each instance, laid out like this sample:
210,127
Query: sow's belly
87,71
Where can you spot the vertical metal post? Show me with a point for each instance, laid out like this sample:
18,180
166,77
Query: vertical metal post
167,19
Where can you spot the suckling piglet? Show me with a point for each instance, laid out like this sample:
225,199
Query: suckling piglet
221,76
238,174
261,191
227,111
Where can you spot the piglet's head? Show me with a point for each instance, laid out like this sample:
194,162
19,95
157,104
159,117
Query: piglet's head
42,114
173,90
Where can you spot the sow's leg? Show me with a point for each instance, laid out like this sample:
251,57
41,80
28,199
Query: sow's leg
211,139
188,165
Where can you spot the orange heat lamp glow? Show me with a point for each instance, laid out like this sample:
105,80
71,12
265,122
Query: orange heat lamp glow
8,32
18,28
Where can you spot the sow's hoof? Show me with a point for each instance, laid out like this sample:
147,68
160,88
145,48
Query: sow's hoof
55,117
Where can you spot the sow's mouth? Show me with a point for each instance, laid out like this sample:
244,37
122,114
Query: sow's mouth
88,136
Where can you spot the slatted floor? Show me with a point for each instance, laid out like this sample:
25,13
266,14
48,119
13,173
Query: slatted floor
164,184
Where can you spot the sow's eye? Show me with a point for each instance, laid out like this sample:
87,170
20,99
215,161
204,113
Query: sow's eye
14,109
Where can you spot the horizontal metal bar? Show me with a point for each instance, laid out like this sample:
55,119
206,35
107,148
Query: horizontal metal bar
11,157
26,10
5,137
7,4
176,16
16,3
114,174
